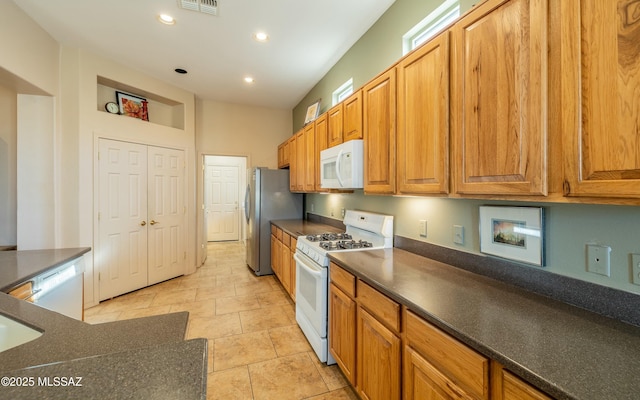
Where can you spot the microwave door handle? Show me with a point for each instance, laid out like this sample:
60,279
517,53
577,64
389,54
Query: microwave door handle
338,168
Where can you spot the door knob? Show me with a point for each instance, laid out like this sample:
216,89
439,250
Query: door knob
152,222
143,223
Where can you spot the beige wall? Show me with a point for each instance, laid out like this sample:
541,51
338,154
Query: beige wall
8,166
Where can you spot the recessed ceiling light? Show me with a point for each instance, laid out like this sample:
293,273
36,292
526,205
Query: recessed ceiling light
166,19
261,36
249,79
180,70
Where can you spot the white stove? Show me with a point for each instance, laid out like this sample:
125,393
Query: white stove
364,231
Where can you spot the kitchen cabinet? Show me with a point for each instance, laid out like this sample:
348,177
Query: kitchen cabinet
293,167
342,324
352,117
379,347
300,161
283,154
321,144
283,246
423,119
334,124
310,161
499,99
437,363
507,386
600,98
379,124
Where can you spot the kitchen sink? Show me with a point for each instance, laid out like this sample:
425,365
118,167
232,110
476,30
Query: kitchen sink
13,333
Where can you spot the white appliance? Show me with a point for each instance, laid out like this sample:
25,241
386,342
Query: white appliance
342,166
364,231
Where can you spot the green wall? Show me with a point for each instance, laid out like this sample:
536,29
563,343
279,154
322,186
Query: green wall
568,226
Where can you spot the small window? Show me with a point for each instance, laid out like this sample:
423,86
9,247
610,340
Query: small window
442,16
341,93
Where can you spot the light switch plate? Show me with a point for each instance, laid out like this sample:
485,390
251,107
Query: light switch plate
635,269
458,234
599,259
422,228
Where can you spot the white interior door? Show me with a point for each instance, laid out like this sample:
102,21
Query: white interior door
167,214
121,251
221,202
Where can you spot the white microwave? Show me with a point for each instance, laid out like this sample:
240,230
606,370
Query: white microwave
342,166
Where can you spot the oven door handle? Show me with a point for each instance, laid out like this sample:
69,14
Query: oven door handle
312,269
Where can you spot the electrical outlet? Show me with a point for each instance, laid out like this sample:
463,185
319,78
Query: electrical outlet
342,213
635,269
422,228
458,234
599,259
313,207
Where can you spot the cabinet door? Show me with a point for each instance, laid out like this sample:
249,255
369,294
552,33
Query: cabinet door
300,161
342,331
334,125
423,119
499,85
294,242
321,144
423,381
310,158
601,98
506,386
378,359
281,155
285,267
293,166
275,256
380,134
285,153
352,119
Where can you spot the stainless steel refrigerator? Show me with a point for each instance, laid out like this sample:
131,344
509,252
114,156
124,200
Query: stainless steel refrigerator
268,198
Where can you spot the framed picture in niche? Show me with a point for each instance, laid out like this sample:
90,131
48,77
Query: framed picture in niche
516,233
312,112
133,106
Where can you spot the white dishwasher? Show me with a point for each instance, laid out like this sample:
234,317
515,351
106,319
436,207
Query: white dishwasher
59,289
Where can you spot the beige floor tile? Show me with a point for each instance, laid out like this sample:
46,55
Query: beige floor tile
236,304
207,293
232,384
248,348
260,286
127,302
236,278
103,317
331,374
289,340
341,394
206,270
214,327
144,312
174,297
204,308
210,355
274,298
263,319
172,284
293,377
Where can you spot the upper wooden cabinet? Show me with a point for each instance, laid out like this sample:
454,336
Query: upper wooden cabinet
334,124
601,97
300,161
293,168
379,123
310,161
499,97
352,117
345,120
321,144
423,119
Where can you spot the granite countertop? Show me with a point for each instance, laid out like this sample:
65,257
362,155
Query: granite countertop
568,352
138,358
299,227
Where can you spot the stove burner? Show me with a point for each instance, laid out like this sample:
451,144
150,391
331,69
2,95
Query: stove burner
324,237
345,244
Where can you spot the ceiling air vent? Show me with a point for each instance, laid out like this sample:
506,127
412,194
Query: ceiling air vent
204,6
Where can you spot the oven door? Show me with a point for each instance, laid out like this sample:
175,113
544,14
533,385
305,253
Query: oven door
311,304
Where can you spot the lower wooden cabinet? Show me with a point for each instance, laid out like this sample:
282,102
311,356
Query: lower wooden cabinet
283,246
507,386
285,263
342,331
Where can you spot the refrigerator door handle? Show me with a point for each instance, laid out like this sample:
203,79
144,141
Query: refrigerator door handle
247,195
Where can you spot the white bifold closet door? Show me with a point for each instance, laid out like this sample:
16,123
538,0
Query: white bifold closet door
141,216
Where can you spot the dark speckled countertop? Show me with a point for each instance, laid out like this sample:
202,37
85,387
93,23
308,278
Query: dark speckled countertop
568,352
299,227
145,358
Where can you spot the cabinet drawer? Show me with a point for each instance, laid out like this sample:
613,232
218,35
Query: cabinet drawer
385,309
464,366
273,230
343,279
293,243
279,234
24,291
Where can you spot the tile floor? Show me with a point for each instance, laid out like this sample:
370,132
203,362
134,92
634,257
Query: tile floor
256,350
